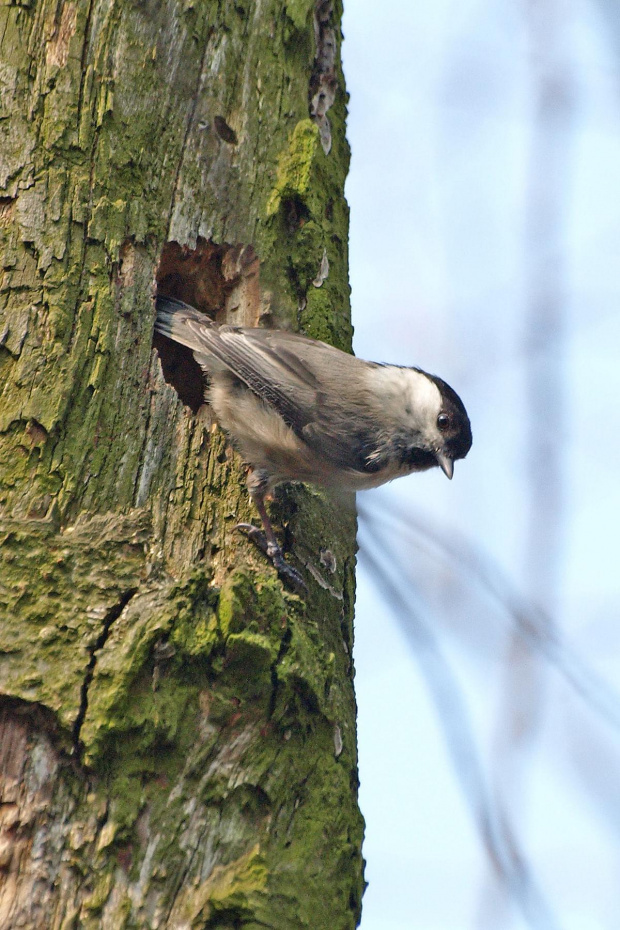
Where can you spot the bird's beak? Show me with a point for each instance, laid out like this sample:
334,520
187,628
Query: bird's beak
446,464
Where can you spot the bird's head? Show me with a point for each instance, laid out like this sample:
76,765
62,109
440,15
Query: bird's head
438,430
447,429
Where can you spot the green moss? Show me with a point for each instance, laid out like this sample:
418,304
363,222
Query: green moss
146,680
94,902
295,165
229,896
126,790
234,595
298,11
196,628
108,223
246,599
247,666
57,590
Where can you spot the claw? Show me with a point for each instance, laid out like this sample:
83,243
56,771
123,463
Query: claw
255,535
286,572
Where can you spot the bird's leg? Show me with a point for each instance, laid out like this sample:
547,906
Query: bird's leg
265,539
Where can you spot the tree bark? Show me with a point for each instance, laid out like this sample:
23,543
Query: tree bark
177,731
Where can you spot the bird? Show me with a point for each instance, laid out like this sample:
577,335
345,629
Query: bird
301,410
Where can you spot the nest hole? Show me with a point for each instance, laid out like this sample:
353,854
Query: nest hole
220,281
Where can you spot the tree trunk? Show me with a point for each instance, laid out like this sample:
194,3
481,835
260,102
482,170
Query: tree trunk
177,731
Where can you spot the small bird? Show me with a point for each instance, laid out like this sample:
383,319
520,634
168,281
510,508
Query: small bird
301,410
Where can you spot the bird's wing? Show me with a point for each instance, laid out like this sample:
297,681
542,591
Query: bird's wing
283,370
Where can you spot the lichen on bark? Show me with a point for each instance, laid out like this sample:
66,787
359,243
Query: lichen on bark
177,731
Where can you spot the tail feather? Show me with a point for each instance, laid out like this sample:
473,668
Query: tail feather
171,316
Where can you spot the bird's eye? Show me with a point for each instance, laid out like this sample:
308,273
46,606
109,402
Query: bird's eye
443,422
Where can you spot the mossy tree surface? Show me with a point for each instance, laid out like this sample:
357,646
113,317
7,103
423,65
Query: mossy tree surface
177,731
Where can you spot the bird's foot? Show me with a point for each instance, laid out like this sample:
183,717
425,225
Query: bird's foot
286,572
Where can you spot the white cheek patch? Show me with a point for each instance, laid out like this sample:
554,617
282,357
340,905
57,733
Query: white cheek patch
425,400
411,396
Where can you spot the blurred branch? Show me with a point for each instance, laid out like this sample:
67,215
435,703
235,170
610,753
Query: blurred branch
547,197
507,860
530,621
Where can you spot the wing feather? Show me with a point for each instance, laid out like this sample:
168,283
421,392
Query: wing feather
300,378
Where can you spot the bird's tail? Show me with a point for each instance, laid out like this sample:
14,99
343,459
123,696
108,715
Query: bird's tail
172,315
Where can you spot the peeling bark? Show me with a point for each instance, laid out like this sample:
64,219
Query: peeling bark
177,732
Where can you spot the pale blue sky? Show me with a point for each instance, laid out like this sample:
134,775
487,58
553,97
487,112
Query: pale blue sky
440,128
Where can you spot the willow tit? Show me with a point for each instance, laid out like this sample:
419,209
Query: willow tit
301,410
